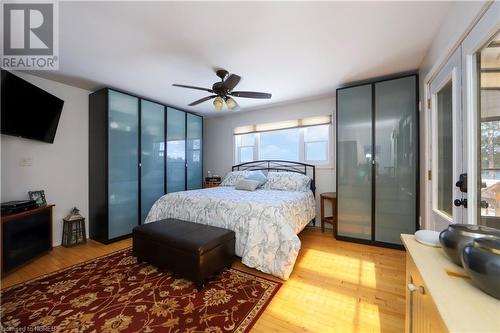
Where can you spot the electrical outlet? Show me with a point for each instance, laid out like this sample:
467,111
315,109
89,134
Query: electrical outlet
26,162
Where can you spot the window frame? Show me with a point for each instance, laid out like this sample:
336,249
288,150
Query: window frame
329,152
328,164
237,147
317,162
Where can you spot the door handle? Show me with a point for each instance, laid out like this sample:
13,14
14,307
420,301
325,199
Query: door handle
462,183
460,202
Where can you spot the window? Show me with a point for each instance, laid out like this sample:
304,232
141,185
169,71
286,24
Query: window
279,145
302,144
316,142
489,135
246,145
490,166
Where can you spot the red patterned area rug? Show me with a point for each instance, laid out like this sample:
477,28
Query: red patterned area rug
116,294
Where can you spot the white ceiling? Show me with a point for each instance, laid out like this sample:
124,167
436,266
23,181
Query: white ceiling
294,50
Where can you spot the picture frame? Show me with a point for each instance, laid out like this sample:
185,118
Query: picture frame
39,197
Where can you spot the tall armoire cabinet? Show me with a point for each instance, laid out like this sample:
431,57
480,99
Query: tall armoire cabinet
377,160
138,151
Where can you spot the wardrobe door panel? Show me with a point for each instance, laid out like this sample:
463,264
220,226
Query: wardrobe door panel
396,150
152,155
176,150
194,152
354,162
123,185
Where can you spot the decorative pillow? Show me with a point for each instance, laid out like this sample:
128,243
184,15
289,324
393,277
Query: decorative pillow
287,181
258,176
247,185
232,177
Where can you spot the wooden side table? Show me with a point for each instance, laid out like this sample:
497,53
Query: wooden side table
211,184
32,227
332,197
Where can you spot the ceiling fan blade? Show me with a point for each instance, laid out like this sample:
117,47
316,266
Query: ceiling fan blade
231,82
251,94
192,87
204,99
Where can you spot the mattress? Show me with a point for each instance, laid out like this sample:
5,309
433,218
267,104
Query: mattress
266,222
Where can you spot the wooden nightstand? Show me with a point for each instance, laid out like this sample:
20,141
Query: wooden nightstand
211,184
332,197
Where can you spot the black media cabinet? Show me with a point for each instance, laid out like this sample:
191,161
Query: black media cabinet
25,236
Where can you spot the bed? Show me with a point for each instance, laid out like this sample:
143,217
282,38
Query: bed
266,221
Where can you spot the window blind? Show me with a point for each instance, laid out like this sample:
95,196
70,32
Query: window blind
265,127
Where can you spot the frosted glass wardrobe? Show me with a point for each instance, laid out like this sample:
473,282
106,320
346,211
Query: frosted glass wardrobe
138,151
377,160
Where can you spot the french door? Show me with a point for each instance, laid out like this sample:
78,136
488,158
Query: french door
465,130
481,96
447,141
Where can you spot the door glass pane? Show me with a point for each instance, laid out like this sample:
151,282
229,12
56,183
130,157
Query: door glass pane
354,197
123,163
194,152
176,150
445,149
152,155
396,150
489,133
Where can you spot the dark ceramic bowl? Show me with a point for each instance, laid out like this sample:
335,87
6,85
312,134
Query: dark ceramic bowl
481,260
457,236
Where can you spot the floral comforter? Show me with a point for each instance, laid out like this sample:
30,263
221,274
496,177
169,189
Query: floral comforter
266,222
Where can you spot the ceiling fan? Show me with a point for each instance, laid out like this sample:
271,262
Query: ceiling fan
223,91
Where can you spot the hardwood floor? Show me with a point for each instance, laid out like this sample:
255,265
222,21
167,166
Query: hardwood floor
62,257
335,286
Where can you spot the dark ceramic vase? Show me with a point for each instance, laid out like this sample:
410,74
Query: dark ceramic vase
481,260
457,236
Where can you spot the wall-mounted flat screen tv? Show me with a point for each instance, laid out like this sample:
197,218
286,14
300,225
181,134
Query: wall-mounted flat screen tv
28,111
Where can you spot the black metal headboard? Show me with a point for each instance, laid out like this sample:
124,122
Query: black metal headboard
278,165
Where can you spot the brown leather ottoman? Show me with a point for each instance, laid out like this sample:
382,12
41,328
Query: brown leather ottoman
193,250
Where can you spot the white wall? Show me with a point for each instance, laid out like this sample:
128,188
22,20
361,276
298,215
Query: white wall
454,28
61,168
218,136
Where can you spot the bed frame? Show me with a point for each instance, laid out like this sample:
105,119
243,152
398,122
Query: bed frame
278,165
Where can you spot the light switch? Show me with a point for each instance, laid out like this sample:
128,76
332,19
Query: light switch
26,161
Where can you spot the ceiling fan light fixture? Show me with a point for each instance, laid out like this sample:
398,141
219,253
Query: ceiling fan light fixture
231,103
223,92
218,103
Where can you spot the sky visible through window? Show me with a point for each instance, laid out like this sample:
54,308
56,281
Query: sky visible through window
246,154
316,151
308,144
280,145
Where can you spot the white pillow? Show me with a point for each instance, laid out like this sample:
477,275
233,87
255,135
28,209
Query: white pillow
287,181
247,185
233,177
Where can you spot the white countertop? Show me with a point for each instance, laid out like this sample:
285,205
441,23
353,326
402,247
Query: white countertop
462,306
